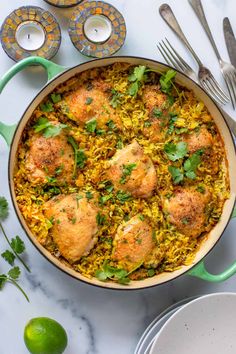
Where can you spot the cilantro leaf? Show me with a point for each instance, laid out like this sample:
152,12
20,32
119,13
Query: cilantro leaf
9,257
3,208
14,273
55,97
49,130
123,196
108,272
151,272
166,81
111,124
156,112
3,280
115,99
100,275
80,157
176,151
47,107
89,195
133,89
192,163
137,77
91,125
89,100
105,198
17,245
176,173
100,218
127,170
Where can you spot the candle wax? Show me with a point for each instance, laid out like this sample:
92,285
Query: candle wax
97,28
30,35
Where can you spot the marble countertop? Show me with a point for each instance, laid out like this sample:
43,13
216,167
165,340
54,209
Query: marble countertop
100,321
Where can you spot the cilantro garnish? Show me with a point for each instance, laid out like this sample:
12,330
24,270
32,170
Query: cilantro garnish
49,130
111,124
156,112
100,218
55,97
115,100
151,272
89,195
108,272
123,196
166,81
17,247
47,107
176,173
191,164
171,123
127,170
137,77
91,125
176,151
89,100
105,198
80,157
201,189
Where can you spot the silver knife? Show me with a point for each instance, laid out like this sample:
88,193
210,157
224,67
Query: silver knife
230,40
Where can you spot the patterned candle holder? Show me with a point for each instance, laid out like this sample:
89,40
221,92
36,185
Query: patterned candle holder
97,29
63,3
30,31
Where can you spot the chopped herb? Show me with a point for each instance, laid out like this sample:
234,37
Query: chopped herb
77,198
185,221
111,125
176,173
191,164
127,170
157,113
51,220
119,144
105,198
201,189
141,217
80,157
47,107
49,130
139,241
171,124
171,100
147,124
100,218
181,130
166,81
115,100
73,220
151,272
89,100
91,125
59,170
109,272
62,152
58,221
100,131
55,97
123,197
89,195
137,77
51,179
176,151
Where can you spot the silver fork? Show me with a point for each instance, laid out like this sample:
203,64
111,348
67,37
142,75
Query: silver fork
227,69
172,58
205,76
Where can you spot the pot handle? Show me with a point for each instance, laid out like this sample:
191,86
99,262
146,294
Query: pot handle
7,131
200,271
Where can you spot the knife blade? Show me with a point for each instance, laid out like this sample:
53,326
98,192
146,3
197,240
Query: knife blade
230,40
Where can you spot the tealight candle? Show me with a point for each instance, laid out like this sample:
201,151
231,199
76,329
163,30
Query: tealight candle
97,28
30,35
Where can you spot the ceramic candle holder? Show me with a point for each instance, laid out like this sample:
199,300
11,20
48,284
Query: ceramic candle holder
30,31
63,3
97,29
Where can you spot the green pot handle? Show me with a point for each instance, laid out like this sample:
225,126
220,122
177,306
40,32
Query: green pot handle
7,131
200,271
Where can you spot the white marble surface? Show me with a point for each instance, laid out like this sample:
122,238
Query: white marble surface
102,321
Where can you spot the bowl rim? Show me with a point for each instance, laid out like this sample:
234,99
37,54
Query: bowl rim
62,267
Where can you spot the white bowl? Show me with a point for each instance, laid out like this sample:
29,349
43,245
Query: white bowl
203,326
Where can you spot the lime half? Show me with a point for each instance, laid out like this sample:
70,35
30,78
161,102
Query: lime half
43,335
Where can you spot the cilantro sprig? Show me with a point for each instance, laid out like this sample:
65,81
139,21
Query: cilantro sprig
166,81
127,170
80,157
115,99
137,77
17,247
176,151
108,272
48,129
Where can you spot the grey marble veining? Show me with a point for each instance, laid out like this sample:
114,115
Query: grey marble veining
100,321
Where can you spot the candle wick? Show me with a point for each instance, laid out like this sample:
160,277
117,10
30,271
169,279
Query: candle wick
95,29
28,36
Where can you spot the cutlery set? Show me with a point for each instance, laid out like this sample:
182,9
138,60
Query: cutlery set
204,76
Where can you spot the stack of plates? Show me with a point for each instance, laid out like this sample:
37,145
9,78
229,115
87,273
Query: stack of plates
196,325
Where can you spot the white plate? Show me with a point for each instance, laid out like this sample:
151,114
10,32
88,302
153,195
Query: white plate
151,331
205,325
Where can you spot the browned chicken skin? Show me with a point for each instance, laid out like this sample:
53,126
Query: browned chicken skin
86,103
133,243
199,140
153,99
186,210
142,178
49,157
74,224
